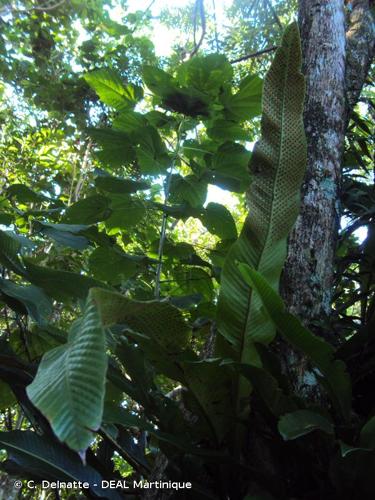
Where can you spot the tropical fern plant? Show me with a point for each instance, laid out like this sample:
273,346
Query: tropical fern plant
135,383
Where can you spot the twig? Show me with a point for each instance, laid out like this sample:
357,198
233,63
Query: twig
254,54
163,232
84,170
215,26
199,5
163,229
149,6
275,16
42,8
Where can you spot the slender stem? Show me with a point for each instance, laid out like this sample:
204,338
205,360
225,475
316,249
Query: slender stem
254,54
199,5
163,233
215,26
84,169
274,15
163,230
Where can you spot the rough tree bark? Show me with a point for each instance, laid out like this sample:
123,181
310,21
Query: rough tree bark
337,53
308,272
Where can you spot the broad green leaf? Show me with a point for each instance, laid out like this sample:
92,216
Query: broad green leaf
114,265
187,189
6,219
129,121
7,398
126,213
218,220
157,327
157,80
24,194
117,147
247,102
118,185
206,74
37,304
228,167
210,382
186,100
51,461
277,167
138,368
151,153
158,320
161,120
193,280
180,250
64,234
183,211
321,354
10,247
109,87
70,383
301,422
227,130
88,211
61,285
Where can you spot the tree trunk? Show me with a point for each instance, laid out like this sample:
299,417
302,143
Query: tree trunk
308,273
336,63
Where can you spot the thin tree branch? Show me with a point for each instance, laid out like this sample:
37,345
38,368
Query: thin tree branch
42,8
84,170
199,5
254,54
215,26
163,233
149,6
275,16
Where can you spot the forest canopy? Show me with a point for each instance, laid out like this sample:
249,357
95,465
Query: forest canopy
187,249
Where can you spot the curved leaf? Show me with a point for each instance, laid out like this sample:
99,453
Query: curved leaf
118,185
37,304
218,220
113,265
9,250
277,167
158,320
88,211
40,458
109,87
62,285
70,383
301,422
332,371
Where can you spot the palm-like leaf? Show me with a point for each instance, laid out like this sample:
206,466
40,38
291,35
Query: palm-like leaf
70,383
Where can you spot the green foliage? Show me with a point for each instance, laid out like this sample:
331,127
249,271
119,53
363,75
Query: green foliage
331,372
277,167
69,386
47,459
301,422
109,87
37,304
118,239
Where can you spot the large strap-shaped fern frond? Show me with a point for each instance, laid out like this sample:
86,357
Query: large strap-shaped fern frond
277,167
